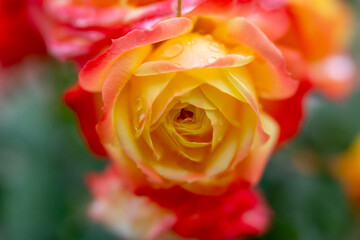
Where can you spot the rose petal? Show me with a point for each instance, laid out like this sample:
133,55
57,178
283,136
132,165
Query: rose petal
271,79
85,105
251,168
163,66
94,72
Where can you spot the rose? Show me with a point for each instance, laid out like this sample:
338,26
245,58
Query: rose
238,213
18,38
265,14
175,213
127,215
315,45
77,29
311,21
81,29
181,102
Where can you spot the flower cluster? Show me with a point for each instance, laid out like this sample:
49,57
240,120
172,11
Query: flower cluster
190,108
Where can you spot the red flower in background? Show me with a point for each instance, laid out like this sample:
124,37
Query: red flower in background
240,212
316,45
18,37
80,29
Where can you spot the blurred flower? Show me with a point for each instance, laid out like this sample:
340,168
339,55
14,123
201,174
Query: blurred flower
80,29
87,105
181,102
238,213
18,37
316,42
175,213
348,171
127,215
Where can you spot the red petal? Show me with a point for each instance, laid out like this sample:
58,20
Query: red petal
289,113
85,105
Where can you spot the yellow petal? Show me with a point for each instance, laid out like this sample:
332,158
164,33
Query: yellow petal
178,86
219,125
216,79
251,168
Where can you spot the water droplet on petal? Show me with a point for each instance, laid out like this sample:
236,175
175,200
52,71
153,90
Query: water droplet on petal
139,120
211,60
141,117
178,65
208,37
139,104
174,50
214,46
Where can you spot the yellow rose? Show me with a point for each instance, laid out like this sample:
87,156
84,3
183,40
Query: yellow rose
182,102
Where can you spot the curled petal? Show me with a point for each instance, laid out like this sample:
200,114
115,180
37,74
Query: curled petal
163,66
272,79
94,72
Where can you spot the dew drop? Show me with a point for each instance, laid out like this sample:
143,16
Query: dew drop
208,37
139,120
214,46
141,117
211,60
191,42
174,50
139,104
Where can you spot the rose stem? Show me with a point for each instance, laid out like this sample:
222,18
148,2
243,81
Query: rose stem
179,9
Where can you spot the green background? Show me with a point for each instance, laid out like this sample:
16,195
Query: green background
43,162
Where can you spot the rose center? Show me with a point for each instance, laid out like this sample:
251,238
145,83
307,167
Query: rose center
185,114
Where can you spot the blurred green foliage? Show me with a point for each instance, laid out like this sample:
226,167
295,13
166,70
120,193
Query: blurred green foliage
43,163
